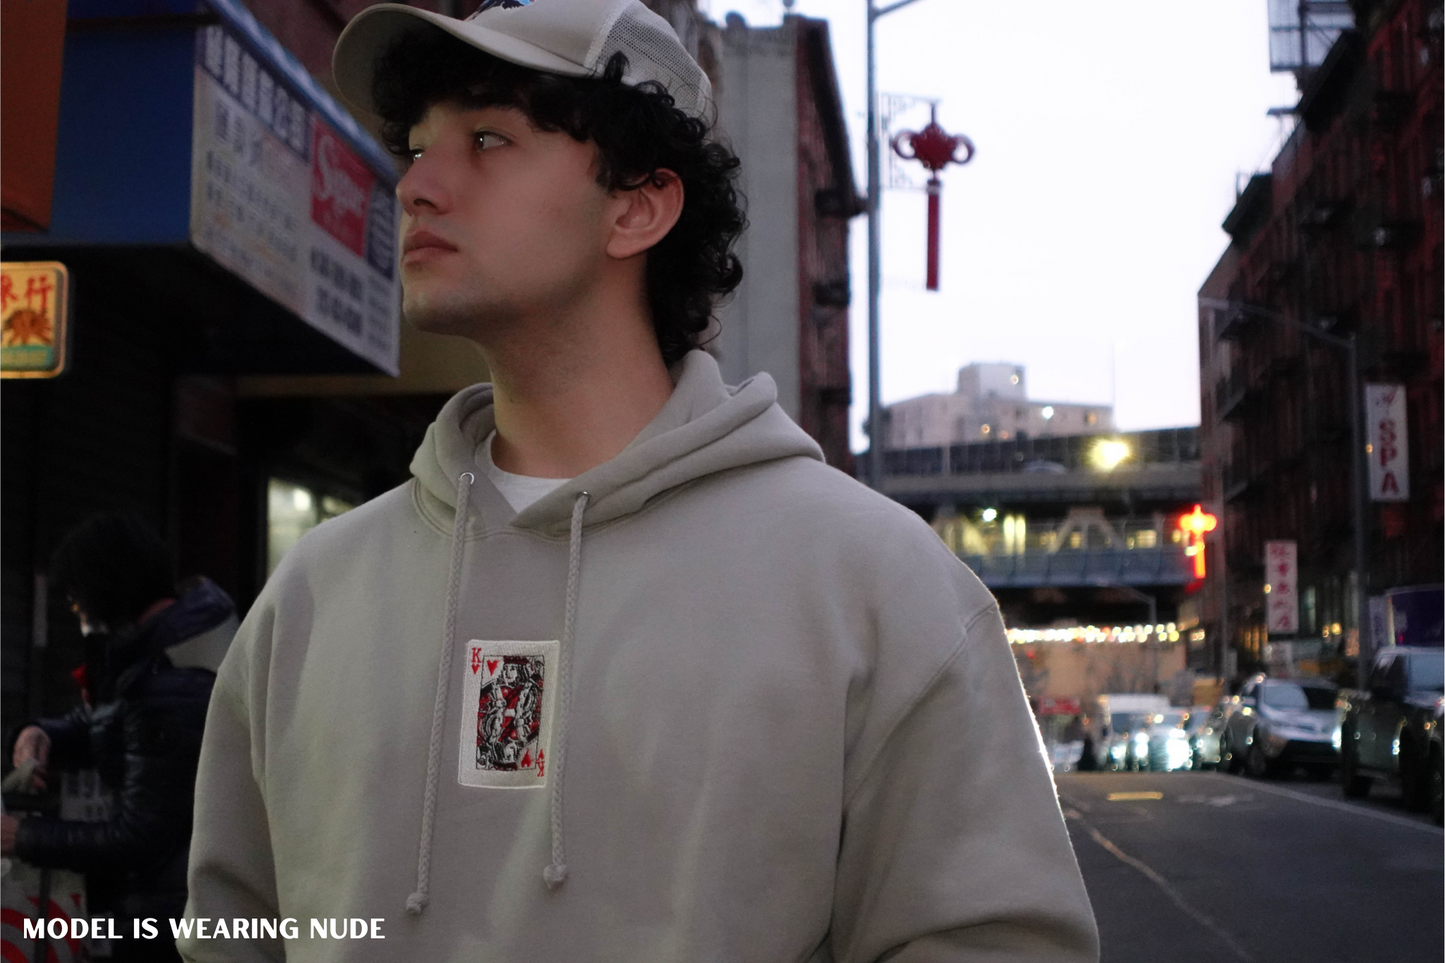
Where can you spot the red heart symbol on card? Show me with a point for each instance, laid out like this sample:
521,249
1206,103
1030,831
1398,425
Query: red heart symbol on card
491,666
476,661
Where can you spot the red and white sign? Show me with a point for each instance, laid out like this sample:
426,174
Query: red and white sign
282,200
1389,443
340,190
1281,598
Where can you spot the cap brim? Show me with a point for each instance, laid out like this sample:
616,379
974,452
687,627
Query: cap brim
371,33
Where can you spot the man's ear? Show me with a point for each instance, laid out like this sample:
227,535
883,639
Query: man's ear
650,212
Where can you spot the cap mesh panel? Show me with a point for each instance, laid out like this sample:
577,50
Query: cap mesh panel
653,54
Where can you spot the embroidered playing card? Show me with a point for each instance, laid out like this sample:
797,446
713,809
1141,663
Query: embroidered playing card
507,708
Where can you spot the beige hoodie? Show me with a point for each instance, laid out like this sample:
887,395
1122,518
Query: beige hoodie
726,705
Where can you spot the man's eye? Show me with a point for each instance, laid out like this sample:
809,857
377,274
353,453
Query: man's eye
486,140
413,154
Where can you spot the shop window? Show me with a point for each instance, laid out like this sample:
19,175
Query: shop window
291,511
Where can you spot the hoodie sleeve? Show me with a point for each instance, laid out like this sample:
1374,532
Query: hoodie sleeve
232,875
954,847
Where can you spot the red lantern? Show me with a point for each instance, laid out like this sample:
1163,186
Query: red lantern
1194,525
935,149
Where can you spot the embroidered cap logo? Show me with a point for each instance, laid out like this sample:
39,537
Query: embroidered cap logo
499,5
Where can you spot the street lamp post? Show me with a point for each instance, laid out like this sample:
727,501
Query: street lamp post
875,240
1357,460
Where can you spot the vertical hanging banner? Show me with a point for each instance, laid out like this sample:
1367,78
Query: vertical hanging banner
34,318
280,198
1281,598
1388,445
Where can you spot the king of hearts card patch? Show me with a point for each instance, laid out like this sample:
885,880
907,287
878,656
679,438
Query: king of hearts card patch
507,714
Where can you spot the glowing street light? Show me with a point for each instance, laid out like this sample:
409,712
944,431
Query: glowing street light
1106,455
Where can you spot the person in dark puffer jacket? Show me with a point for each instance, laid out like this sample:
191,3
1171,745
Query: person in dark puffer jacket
140,725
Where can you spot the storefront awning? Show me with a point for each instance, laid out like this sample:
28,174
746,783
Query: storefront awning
190,140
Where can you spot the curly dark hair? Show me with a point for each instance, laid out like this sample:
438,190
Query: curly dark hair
638,131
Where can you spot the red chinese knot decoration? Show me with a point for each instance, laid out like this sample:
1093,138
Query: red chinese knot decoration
935,149
1195,525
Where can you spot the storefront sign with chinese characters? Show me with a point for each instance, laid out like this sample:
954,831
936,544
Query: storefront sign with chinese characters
1388,449
1281,591
280,198
34,308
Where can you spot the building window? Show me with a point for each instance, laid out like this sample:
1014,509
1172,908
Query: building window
292,511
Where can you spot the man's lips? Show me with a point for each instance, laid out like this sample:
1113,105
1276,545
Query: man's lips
421,244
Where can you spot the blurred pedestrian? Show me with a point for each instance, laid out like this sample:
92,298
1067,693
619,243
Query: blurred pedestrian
139,725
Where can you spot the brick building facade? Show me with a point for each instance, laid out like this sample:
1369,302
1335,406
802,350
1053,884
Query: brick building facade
1342,235
779,108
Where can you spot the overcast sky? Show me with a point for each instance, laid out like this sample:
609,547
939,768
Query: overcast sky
1109,137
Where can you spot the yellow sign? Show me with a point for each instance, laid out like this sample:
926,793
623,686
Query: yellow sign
1134,796
34,318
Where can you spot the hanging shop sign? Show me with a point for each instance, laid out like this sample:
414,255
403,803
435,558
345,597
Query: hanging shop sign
1281,589
219,143
281,199
34,318
1388,447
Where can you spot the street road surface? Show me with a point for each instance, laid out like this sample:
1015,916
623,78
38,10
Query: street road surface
1201,867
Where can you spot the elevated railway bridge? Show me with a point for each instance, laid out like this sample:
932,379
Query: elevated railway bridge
1072,530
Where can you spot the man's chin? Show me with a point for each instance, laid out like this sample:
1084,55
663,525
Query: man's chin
461,320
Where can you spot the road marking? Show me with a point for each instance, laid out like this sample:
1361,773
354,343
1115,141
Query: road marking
1174,895
1215,801
1348,808
1134,796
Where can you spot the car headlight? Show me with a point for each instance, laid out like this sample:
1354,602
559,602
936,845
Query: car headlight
1336,739
1141,738
1117,751
1178,734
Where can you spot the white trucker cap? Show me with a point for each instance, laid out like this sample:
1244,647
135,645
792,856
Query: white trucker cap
574,38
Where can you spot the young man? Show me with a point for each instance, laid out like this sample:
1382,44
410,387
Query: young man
625,672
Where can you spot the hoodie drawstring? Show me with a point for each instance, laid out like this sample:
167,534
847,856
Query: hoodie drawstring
555,872
416,902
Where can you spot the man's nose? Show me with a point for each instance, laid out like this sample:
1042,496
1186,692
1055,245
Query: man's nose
423,188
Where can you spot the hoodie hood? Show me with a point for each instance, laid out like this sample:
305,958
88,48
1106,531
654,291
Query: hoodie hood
704,428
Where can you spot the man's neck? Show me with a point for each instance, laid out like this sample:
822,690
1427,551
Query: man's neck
568,402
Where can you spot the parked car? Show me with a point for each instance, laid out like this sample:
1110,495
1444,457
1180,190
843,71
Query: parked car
1204,726
1437,767
1386,730
1168,741
1120,738
1123,719
1282,723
